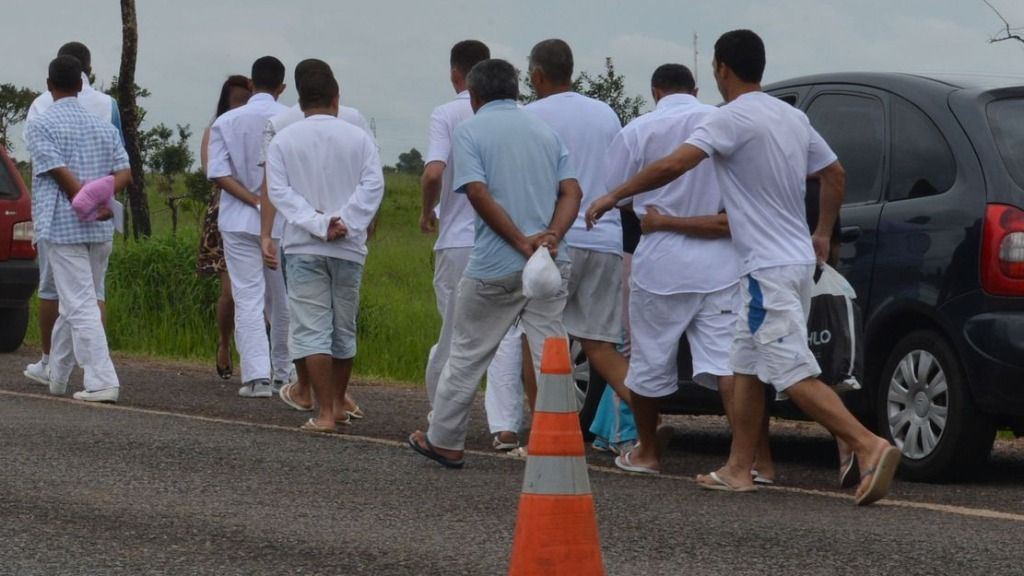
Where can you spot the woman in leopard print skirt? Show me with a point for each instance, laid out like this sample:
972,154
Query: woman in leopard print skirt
234,93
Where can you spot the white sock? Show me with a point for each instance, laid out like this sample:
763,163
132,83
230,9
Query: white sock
45,359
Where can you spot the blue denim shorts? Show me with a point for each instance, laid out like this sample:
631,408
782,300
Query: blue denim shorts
323,300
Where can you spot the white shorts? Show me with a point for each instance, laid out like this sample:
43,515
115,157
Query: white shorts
771,332
657,322
593,310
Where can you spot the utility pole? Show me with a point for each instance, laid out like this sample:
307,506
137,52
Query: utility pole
695,53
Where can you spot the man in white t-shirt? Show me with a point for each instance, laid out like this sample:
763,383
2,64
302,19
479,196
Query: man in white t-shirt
593,311
764,150
105,108
685,272
297,394
236,144
325,176
455,232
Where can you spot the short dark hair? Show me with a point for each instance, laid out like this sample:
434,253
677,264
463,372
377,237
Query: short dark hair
494,79
673,78
79,51
318,89
234,81
554,58
743,52
308,65
267,73
467,54
65,73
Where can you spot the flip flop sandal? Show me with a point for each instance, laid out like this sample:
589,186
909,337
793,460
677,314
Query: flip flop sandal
429,452
346,421
848,478
758,479
285,394
625,462
881,476
357,413
504,446
311,426
720,484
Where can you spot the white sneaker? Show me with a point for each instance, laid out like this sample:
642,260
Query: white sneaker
106,395
256,389
38,372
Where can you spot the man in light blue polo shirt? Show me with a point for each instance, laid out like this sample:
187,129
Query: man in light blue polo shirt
515,171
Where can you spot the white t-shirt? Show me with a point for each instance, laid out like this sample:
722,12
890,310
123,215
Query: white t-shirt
765,149
455,213
235,149
99,104
669,262
586,127
294,114
319,168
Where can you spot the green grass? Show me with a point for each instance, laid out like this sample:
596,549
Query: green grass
157,306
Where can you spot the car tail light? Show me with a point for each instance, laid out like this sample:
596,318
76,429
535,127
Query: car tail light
1002,251
21,241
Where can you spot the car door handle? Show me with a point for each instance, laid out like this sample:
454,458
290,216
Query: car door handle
849,234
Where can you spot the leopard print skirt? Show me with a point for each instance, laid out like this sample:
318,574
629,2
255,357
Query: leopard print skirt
211,247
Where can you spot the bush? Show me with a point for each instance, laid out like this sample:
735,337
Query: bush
158,306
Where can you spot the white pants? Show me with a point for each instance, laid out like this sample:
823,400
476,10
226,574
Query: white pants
257,290
503,398
78,334
484,312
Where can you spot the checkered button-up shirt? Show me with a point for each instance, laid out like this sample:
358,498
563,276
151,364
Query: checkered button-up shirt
67,135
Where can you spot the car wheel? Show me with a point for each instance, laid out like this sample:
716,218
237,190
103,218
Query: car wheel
13,324
925,408
589,388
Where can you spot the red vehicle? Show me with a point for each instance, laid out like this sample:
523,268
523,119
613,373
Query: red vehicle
19,273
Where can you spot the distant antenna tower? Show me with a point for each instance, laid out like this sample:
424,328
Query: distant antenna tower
695,53
373,127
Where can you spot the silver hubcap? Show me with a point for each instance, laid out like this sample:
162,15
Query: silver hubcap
918,404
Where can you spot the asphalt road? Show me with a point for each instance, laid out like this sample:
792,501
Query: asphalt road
184,477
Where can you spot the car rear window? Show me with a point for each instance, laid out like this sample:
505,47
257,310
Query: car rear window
1006,120
8,189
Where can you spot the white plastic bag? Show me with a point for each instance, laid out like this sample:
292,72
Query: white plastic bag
541,278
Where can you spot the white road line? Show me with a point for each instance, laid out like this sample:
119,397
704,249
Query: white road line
940,508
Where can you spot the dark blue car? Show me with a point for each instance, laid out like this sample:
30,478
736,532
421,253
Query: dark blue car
932,239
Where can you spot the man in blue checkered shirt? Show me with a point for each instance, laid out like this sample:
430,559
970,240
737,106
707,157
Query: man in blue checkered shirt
70,147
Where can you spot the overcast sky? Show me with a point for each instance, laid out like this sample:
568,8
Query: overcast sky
391,57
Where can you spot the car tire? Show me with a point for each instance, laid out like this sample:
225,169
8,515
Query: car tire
589,389
13,324
924,407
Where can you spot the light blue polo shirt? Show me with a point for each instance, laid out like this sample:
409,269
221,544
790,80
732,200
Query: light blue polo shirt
522,161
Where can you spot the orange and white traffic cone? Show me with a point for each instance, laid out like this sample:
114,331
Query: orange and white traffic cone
556,531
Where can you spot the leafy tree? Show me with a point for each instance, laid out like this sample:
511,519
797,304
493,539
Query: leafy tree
14,105
410,162
169,158
609,87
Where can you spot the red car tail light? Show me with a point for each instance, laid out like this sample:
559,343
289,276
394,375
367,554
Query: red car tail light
1002,251
21,241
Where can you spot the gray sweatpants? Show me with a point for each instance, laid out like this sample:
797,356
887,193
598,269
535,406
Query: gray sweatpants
484,311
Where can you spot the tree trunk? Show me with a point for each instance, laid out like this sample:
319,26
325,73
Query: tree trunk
139,207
